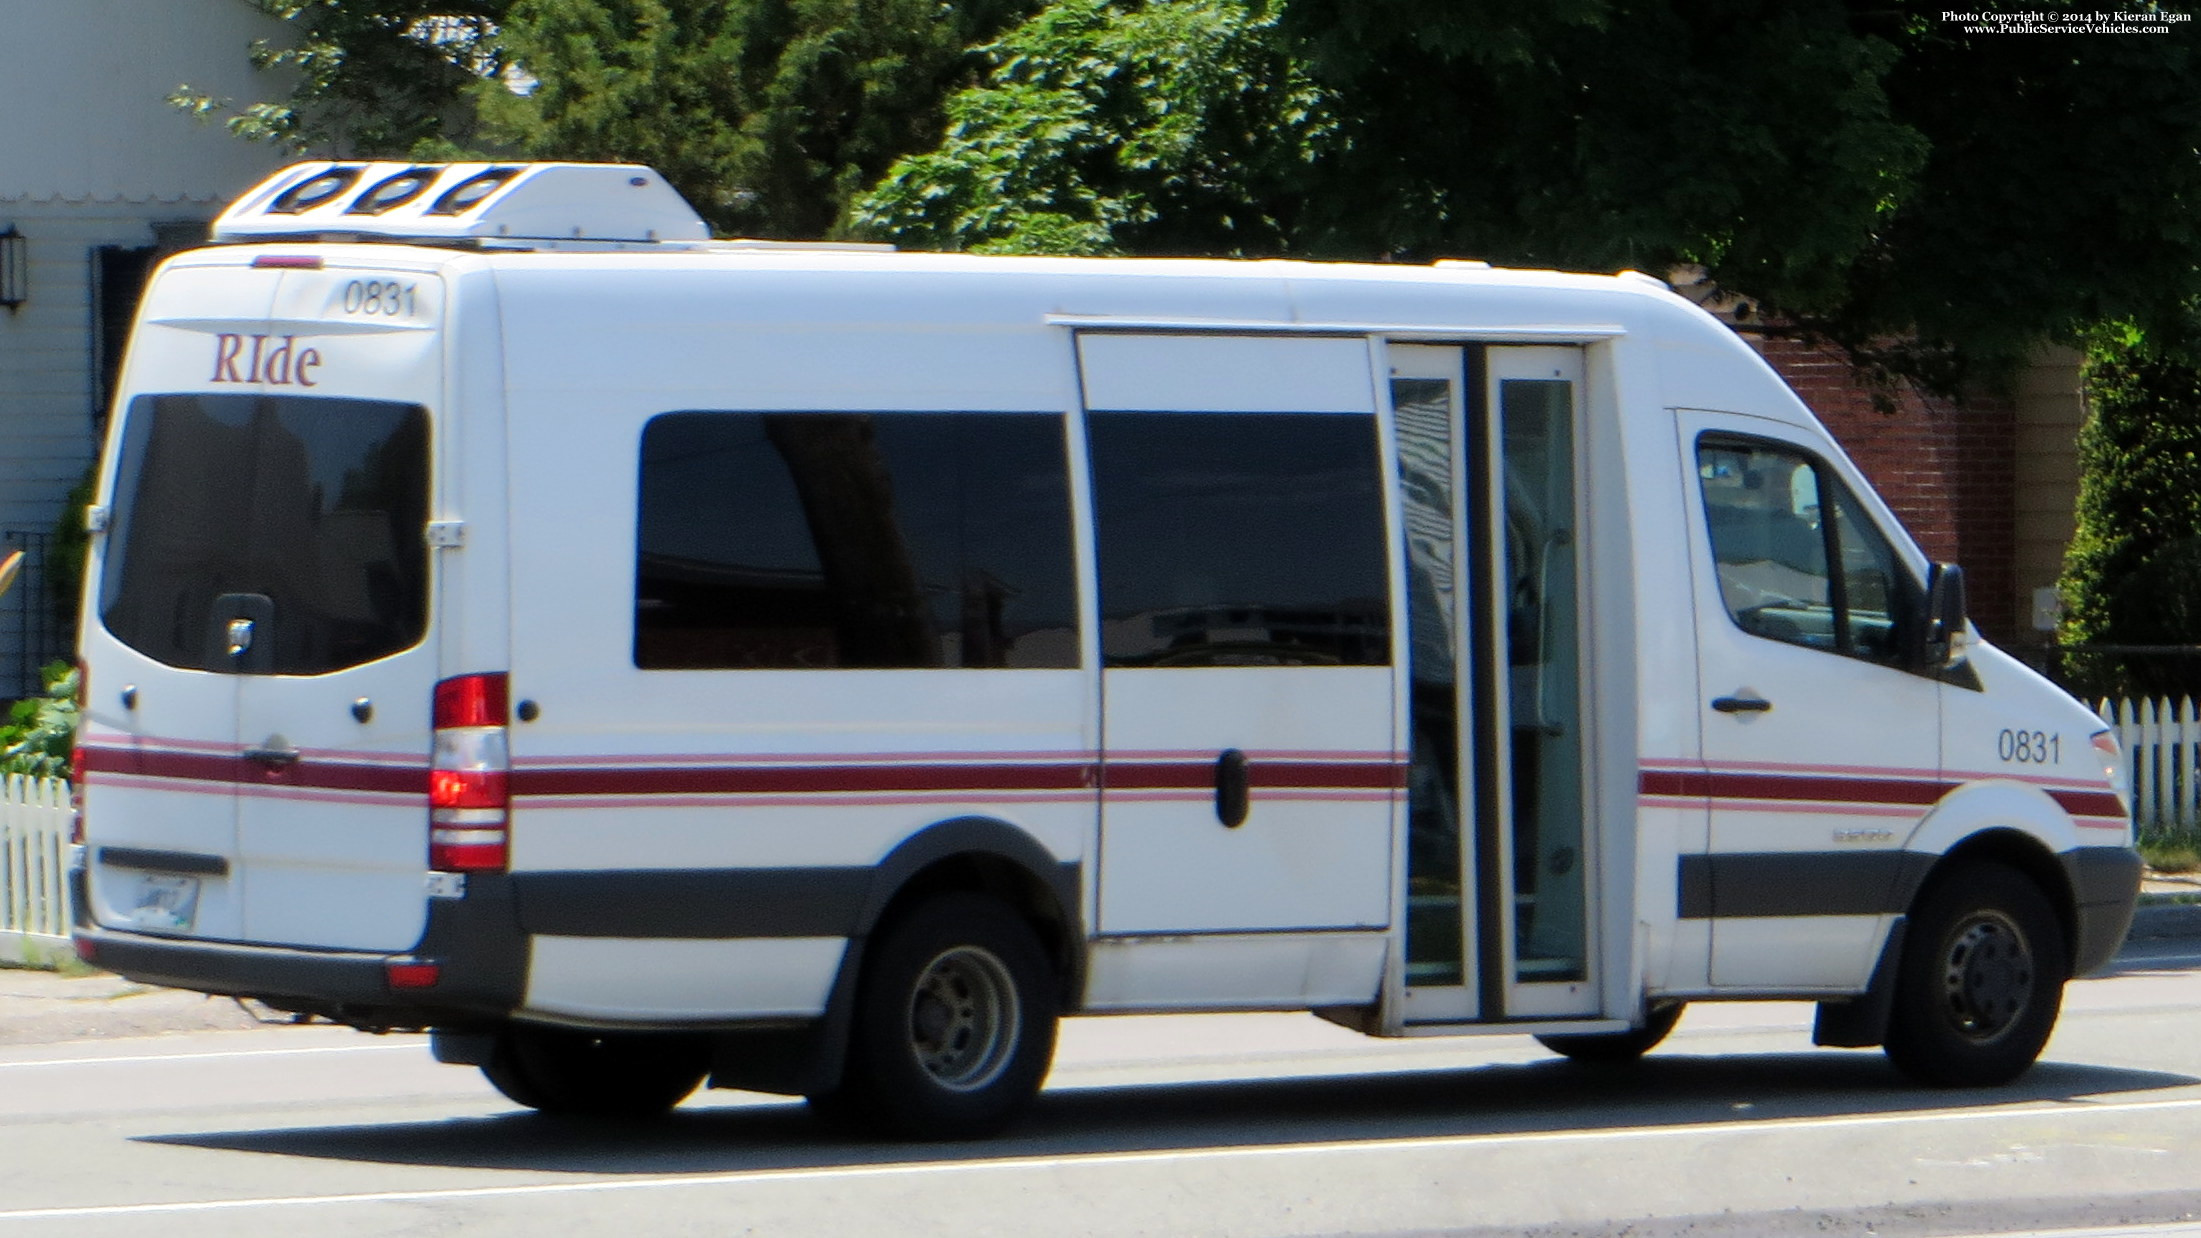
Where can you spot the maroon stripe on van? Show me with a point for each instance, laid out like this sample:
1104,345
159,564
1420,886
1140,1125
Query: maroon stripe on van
1301,775
786,779
1820,788
308,772
2089,803
1789,788
945,777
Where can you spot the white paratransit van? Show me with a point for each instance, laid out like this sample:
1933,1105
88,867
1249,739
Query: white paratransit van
645,660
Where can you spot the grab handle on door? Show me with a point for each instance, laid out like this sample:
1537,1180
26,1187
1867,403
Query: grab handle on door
1741,704
1231,788
273,758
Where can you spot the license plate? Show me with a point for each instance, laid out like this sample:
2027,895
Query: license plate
166,904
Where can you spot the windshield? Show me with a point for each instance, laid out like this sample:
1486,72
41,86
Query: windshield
310,512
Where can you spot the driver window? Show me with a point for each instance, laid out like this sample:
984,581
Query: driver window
1797,559
1762,504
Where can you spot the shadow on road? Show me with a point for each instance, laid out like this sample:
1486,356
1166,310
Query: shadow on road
1494,1100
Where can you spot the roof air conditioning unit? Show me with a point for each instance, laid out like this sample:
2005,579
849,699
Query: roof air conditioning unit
479,202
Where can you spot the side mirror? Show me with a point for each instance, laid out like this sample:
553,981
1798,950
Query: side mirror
1941,630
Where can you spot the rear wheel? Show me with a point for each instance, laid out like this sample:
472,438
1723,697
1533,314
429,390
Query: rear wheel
1618,1046
1981,980
592,1074
955,1024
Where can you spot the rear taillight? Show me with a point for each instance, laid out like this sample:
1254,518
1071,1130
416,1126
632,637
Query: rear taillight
76,794
76,755
469,779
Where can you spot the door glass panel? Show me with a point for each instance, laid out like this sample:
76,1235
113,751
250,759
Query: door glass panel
1878,595
302,517
1434,936
1768,510
1544,678
1762,506
1239,539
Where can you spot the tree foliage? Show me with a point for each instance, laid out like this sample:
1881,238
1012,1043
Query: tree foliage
1866,171
768,114
2132,575
385,79
1185,127
1861,169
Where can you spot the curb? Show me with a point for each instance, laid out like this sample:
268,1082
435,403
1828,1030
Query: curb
2165,917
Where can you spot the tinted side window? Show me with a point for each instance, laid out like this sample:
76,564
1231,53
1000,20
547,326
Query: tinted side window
308,512
885,540
1239,539
1797,559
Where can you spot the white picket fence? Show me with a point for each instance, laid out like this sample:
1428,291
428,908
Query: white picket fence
34,882
2162,744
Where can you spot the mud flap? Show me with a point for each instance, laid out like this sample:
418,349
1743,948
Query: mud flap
1861,1022
805,1060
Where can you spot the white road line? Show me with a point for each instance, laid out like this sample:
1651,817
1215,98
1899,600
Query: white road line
2138,1230
224,1053
1384,1147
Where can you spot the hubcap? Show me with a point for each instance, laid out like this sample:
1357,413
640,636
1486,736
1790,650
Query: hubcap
1987,975
964,1018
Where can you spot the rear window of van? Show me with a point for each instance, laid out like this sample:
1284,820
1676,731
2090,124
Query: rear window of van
306,513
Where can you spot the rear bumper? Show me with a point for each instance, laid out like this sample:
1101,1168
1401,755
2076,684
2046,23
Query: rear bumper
474,941
2105,888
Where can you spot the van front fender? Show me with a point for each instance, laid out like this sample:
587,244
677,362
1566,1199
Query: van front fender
2095,888
1994,804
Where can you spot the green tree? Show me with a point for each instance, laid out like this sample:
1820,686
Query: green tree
2133,573
1185,127
1866,172
768,114
1865,169
384,79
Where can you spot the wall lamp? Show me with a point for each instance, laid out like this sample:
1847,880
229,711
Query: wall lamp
15,264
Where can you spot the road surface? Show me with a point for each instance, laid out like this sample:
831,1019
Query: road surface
1259,1125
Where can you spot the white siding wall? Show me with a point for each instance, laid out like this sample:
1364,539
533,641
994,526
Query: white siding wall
91,155
84,87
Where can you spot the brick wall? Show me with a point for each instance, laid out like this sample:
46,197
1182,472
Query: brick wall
1947,468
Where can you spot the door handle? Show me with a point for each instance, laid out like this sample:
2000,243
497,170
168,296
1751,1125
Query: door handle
1231,788
1741,704
273,758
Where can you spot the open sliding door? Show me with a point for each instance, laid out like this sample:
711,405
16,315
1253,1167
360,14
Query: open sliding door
1500,861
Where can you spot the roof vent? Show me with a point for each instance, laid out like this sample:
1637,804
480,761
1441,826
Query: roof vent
487,202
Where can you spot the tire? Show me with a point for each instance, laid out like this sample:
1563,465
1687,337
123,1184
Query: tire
1612,1047
1981,979
596,1075
954,1024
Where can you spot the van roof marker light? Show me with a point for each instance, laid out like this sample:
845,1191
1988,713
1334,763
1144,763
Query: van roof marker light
287,262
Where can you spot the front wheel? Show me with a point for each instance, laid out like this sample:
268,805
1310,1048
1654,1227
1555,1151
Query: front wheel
1618,1046
596,1075
955,1024
1981,980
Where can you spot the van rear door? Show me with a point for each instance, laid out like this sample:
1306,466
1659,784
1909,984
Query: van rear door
268,535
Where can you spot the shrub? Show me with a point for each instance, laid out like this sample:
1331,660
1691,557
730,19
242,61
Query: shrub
2133,573
40,730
